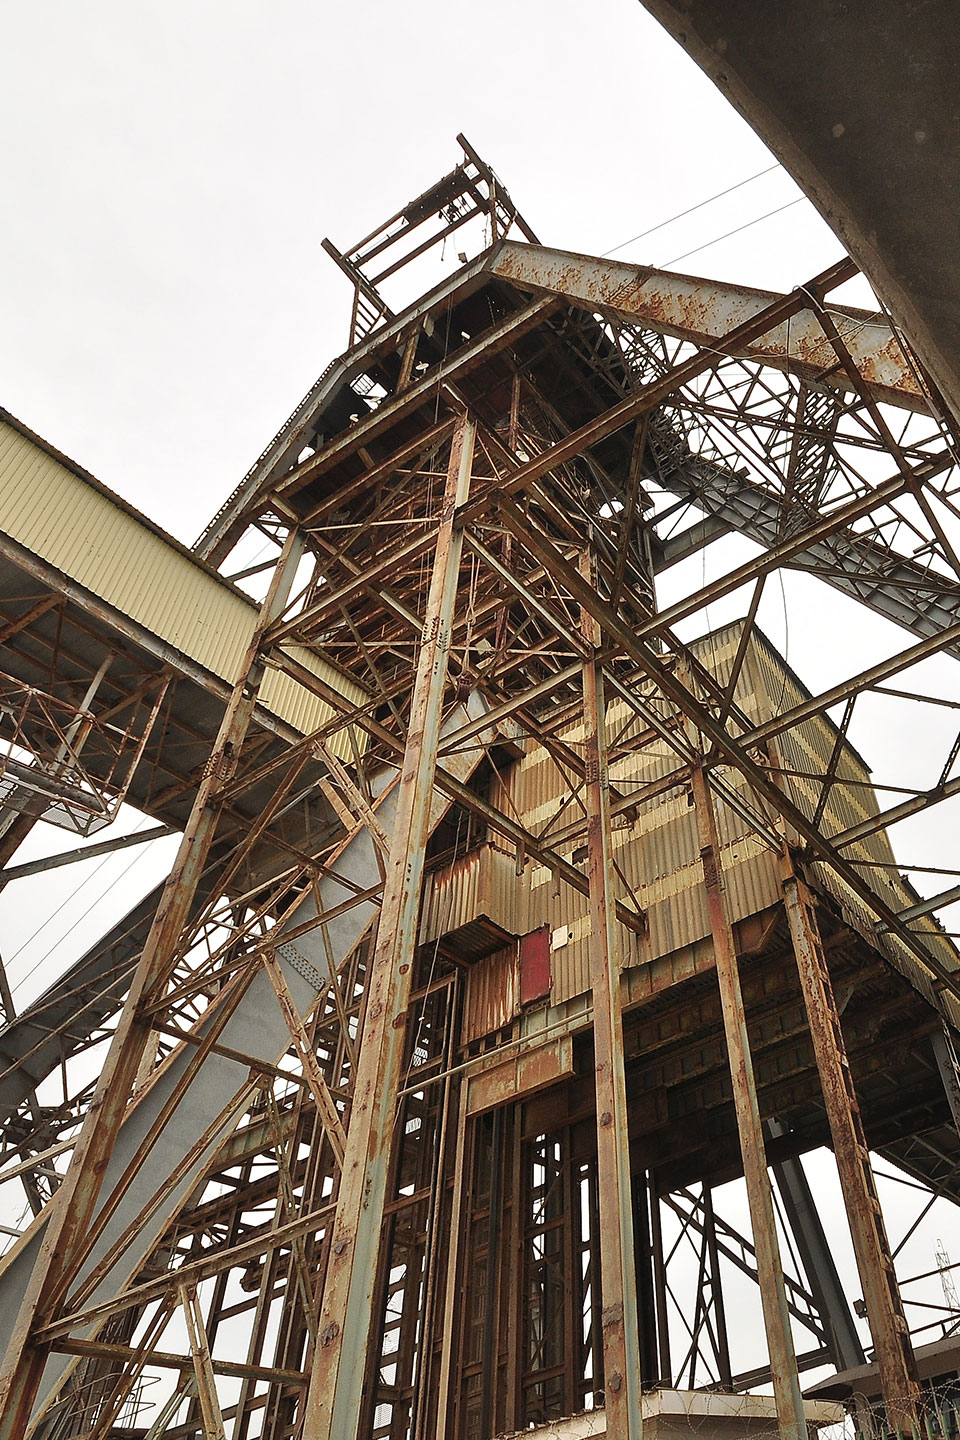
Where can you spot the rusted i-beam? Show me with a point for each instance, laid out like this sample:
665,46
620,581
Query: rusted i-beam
334,1396
202,1365
315,1078
619,1321
783,1360
881,1294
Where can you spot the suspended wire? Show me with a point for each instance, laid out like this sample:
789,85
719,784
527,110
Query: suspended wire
143,851
786,639
664,223
91,875
739,228
72,895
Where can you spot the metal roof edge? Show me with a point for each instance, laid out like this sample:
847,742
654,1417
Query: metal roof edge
118,500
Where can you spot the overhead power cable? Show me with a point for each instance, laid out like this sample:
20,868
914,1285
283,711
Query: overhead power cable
148,847
746,226
699,206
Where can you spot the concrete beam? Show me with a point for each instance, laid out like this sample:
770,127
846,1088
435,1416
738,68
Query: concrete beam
859,103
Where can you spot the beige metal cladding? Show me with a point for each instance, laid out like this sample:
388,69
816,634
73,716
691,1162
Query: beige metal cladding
656,846
90,535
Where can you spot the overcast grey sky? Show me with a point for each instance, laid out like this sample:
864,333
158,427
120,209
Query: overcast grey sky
169,170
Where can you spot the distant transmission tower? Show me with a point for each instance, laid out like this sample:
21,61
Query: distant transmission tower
950,1297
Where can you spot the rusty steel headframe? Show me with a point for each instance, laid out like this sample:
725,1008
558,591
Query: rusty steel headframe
419,1228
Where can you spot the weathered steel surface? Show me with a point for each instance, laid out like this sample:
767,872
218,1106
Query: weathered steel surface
803,1216
499,1082
257,1029
702,311
535,976
888,1325
339,1362
892,584
619,1320
783,1360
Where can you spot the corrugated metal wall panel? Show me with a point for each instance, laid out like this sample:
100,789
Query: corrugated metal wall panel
103,545
485,883
658,851
570,961
492,997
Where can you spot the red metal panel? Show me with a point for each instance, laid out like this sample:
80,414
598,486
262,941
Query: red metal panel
535,977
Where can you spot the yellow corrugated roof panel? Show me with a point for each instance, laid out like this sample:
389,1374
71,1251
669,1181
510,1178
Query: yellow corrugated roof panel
92,536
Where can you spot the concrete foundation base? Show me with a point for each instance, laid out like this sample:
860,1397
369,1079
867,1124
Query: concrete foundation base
699,1413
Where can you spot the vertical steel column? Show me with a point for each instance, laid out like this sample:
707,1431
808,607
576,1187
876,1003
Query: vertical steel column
339,1365
489,1344
776,1318
646,1303
665,1365
74,1206
202,1365
716,1290
881,1294
825,1285
449,1356
618,1275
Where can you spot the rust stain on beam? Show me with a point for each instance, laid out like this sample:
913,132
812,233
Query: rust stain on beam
702,311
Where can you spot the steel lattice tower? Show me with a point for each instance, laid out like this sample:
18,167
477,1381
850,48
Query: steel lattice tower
516,911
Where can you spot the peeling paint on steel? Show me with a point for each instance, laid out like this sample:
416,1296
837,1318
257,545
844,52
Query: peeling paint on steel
702,311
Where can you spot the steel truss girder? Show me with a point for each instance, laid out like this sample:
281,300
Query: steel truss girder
704,311
213,1076
891,584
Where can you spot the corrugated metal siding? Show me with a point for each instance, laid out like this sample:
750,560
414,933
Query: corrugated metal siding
493,994
485,882
96,541
658,851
